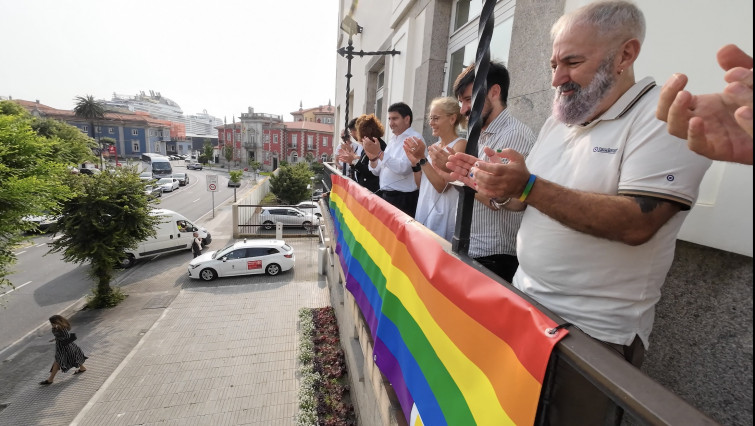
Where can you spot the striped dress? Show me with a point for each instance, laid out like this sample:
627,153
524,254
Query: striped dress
67,356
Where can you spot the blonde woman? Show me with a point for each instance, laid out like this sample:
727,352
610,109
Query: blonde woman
436,208
67,354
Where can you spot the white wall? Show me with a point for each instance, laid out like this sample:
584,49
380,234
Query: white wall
684,36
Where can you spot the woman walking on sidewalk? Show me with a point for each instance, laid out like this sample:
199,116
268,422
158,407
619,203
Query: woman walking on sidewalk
67,354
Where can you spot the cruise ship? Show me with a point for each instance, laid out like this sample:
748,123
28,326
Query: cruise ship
162,108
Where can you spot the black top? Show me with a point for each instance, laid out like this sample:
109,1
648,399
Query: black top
361,171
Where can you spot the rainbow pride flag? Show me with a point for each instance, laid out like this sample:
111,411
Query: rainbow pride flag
457,347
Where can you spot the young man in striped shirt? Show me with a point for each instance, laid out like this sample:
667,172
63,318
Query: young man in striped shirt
492,238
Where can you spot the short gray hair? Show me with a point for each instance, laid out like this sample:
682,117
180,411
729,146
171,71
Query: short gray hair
616,20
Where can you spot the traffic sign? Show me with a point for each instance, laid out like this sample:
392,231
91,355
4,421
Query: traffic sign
212,183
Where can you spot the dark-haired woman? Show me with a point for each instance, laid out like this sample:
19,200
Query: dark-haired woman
67,354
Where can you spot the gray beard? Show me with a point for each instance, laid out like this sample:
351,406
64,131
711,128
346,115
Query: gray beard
581,105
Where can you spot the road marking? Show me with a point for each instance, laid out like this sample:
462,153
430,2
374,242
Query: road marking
21,252
41,244
15,288
196,200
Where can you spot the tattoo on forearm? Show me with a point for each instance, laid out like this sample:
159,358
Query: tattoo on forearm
647,204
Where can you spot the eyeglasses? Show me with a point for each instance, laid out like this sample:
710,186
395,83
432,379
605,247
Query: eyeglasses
434,118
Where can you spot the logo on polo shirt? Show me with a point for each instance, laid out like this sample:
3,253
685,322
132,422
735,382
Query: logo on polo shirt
605,150
670,178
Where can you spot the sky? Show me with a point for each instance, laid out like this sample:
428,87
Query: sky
222,56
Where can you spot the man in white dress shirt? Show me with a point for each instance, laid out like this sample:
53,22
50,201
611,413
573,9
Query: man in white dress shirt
397,185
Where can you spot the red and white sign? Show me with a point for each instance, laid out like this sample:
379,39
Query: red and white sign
212,183
253,264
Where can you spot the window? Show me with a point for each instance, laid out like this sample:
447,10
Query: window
324,141
462,45
310,142
135,146
275,138
466,9
294,157
294,140
324,158
379,95
134,132
110,130
267,137
236,254
98,129
85,128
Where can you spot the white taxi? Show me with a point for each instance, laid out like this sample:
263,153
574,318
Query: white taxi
243,258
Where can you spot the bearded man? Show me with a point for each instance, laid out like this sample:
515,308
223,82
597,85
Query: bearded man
605,190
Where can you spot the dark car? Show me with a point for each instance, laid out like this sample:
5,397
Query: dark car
153,191
90,172
183,178
194,166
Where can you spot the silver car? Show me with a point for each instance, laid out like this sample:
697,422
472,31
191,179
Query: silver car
288,216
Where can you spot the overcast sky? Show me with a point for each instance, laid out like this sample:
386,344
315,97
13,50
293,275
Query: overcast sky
219,55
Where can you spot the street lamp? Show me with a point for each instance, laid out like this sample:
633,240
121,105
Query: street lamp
351,27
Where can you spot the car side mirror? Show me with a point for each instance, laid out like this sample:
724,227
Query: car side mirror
224,258
194,229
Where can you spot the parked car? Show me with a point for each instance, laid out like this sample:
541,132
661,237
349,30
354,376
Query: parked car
175,157
42,223
168,184
89,171
145,176
310,207
174,233
288,216
194,166
183,178
244,258
153,191
316,195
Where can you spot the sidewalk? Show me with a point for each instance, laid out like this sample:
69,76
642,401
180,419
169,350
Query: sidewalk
176,351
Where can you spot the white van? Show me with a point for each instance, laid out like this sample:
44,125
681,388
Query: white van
174,233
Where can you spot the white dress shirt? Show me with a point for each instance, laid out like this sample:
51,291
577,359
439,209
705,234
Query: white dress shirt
394,169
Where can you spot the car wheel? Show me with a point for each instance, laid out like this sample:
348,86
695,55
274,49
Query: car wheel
208,274
273,269
306,224
268,224
127,261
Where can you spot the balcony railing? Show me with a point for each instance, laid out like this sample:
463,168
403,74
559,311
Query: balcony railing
642,398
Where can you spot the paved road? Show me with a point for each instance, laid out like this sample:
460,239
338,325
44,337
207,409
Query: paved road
45,284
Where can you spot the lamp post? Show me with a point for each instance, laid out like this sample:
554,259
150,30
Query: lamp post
350,27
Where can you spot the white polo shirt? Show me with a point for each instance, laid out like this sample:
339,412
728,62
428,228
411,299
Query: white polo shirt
607,288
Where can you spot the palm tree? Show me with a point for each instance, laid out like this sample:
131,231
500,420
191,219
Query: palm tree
89,109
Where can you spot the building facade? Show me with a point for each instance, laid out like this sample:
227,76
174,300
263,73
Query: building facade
266,138
134,133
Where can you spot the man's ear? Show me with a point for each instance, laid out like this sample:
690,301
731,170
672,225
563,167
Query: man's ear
494,92
629,52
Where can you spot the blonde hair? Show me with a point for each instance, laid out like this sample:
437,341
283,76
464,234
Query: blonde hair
614,20
451,107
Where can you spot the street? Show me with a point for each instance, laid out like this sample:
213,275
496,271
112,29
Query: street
46,285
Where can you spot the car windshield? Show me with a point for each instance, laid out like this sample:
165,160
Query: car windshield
165,180
145,174
179,175
222,252
161,165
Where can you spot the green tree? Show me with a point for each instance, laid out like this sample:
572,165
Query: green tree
33,170
109,214
291,185
235,177
309,157
254,165
89,109
207,149
228,154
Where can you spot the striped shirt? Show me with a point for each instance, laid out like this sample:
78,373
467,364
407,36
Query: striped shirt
494,232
